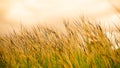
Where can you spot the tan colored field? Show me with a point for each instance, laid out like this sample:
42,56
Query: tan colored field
83,46
57,34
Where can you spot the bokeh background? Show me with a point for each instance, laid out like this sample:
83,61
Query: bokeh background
53,12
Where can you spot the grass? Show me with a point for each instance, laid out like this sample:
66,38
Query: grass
84,45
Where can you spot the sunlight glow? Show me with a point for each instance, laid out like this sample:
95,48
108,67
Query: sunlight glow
34,11
17,10
53,12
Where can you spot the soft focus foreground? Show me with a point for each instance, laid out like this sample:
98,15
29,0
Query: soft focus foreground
84,45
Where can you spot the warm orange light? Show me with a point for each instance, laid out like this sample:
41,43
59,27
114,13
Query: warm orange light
34,11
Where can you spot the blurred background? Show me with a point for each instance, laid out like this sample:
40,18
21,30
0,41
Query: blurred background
53,12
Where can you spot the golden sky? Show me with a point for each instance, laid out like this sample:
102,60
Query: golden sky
30,12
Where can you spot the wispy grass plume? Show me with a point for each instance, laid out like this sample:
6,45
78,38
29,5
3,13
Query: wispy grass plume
84,45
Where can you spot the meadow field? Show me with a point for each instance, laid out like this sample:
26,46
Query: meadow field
82,45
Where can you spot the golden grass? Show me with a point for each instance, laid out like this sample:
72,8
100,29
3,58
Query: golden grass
84,45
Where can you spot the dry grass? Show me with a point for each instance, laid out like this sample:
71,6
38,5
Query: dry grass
83,46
